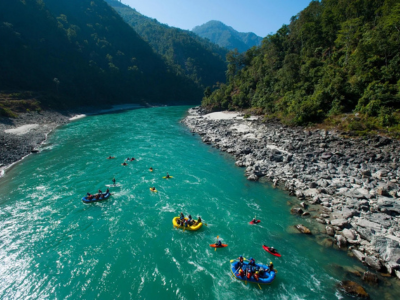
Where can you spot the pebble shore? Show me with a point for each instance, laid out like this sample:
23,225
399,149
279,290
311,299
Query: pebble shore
355,180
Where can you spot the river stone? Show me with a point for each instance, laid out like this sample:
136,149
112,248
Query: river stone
305,214
358,254
319,220
253,177
339,223
388,247
373,262
380,218
348,234
330,231
389,205
353,289
302,229
296,211
341,241
370,277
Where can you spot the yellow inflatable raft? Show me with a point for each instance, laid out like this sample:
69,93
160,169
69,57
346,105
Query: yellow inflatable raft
194,227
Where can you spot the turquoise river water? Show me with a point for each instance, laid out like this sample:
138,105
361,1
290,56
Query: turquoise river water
52,246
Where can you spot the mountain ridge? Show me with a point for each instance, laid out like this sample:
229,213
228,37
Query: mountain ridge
226,36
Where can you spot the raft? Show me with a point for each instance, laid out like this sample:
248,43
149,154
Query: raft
266,278
191,228
103,197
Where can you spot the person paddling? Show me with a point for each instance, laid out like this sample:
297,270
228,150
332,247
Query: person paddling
167,176
151,169
113,180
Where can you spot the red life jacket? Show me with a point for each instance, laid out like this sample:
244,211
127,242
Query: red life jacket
256,276
241,273
248,275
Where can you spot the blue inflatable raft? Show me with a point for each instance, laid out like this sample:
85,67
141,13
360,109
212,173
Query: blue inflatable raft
102,197
266,276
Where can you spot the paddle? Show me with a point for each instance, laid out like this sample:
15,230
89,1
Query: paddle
232,260
216,243
259,286
235,272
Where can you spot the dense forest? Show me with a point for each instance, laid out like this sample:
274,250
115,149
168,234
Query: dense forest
227,37
188,54
78,52
334,58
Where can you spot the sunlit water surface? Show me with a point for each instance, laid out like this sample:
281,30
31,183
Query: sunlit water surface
52,246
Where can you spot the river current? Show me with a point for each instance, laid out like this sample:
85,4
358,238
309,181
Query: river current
53,246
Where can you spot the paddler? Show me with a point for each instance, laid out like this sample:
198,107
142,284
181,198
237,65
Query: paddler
167,176
272,249
271,267
151,169
113,180
182,217
218,244
241,272
124,163
190,220
252,262
256,276
241,259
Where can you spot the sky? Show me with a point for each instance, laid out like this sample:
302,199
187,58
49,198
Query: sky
259,16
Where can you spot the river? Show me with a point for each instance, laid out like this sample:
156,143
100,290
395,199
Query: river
52,246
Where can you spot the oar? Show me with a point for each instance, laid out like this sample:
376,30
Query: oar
232,260
259,286
235,272
216,243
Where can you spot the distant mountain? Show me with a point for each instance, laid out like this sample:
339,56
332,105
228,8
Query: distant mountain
81,52
189,55
227,37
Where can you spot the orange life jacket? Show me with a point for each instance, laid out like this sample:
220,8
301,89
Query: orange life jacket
256,276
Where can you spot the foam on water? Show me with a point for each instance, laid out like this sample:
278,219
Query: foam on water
55,247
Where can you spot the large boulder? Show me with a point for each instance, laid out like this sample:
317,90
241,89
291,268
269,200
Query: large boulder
373,262
340,240
389,205
339,223
388,247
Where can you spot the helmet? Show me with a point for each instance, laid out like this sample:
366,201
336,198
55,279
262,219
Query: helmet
190,216
251,258
270,262
256,272
240,256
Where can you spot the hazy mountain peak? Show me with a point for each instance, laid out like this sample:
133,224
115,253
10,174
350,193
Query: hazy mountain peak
226,36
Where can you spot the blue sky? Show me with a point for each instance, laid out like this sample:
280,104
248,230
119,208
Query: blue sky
259,16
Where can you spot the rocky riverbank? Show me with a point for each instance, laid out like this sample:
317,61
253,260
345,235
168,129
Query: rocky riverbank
356,181
22,136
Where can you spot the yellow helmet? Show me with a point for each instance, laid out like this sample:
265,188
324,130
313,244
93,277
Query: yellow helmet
256,272
270,262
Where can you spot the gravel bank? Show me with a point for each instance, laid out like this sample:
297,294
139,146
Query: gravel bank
356,181
21,136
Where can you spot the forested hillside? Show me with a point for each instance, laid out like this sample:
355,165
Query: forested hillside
227,37
335,57
76,52
188,54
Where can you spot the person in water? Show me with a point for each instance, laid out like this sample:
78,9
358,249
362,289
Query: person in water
132,159
153,188
110,157
113,180
151,169
252,262
124,163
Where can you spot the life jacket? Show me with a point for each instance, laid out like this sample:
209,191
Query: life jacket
256,276
241,273
248,275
